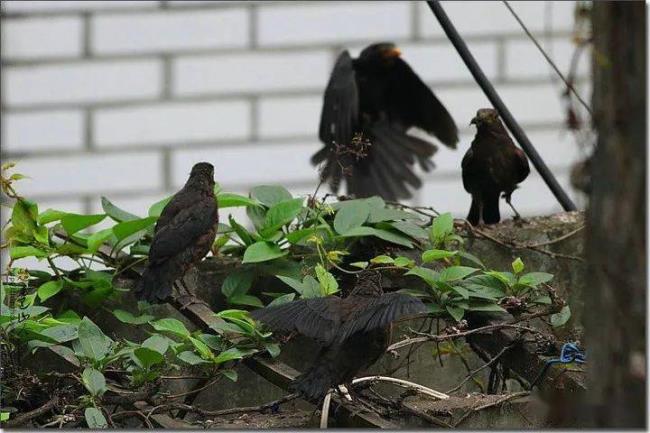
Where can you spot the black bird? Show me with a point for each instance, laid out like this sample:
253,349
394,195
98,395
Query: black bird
381,97
183,235
352,331
492,165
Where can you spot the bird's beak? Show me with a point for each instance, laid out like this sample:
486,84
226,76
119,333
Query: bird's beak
393,52
474,121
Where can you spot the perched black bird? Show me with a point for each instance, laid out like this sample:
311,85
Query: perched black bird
492,165
352,331
379,96
183,235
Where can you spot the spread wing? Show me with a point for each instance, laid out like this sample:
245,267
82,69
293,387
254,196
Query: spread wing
317,318
182,229
339,117
380,312
415,104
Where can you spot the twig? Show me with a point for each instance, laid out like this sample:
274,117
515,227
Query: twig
216,413
194,391
431,337
548,59
484,366
326,409
21,419
403,383
463,359
552,241
488,405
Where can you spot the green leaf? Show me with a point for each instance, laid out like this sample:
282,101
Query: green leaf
533,279
471,258
156,209
410,229
379,233
461,291
241,299
94,381
157,342
431,255
442,226
385,260
262,251
20,252
281,214
456,312
202,348
404,262
280,300
328,283
228,199
94,343
191,358
544,299
230,374
559,319
229,355
172,326
240,230
270,195
128,228
148,357
96,240
50,215
117,214
65,353
454,273
126,317
49,289
4,416
351,215
273,349
507,278
428,275
517,265
296,236
360,265
41,234
24,215
237,283
61,333
487,307
72,223
378,214
94,418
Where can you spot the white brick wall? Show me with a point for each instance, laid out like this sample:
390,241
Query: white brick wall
121,97
169,31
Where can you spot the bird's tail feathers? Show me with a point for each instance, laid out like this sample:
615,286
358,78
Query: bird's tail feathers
315,383
155,285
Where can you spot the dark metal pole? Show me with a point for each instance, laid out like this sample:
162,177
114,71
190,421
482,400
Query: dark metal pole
496,101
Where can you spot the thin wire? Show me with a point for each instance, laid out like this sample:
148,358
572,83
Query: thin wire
546,56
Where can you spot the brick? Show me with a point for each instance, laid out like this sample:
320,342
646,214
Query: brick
85,82
169,31
284,117
258,72
325,22
474,18
42,38
171,123
523,59
20,6
92,174
42,131
441,62
252,164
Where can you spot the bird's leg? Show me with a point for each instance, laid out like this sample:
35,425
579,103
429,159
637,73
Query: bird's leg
193,299
507,198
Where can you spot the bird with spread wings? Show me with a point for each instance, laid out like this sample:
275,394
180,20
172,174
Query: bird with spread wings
379,96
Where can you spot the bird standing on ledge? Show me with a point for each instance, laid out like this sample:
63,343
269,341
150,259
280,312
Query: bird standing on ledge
353,331
379,96
183,235
492,165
